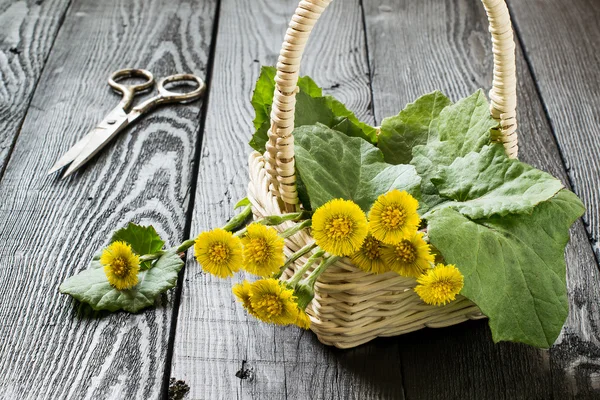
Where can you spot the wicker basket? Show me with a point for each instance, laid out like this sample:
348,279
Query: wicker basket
352,307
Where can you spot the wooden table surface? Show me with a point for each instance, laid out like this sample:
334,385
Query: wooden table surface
183,167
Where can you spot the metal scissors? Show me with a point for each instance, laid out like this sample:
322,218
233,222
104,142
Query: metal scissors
119,117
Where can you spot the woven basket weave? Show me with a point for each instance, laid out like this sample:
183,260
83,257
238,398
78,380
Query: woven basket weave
352,307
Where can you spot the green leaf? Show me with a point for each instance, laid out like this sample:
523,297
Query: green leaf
513,265
487,183
346,122
413,126
459,129
242,203
91,286
311,108
332,165
142,239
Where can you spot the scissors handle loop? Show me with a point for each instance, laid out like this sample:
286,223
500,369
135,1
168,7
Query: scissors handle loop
168,96
129,91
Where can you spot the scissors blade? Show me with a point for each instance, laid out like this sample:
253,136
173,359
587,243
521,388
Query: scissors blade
72,153
98,138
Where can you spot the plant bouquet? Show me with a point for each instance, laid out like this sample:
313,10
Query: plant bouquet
360,231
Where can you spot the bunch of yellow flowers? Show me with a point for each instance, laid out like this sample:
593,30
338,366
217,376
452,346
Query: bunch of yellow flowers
387,240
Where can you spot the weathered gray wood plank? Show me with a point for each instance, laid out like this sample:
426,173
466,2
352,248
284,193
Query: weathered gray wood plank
214,338
50,346
417,47
27,31
561,41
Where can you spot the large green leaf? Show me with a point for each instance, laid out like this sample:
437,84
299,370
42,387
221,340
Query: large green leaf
142,239
91,285
487,183
513,265
461,128
311,108
333,165
413,126
346,122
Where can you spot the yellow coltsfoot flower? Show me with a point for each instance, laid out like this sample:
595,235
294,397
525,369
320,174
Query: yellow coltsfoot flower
394,217
242,292
121,265
410,257
263,250
303,320
218,252
370,256
440,285
273,302
339,227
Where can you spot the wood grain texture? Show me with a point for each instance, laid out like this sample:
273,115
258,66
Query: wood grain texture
27,30
219,351
561,41
449,49
50,346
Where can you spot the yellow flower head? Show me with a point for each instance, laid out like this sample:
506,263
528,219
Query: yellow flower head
370,256
303,320
440,285
339,227
410,257
218,252
273,302
263,250
393,217
242,292
121,265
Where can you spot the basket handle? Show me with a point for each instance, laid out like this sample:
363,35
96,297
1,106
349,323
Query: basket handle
279,156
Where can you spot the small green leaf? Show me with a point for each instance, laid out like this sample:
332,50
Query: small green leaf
461,128
91,286
242,203
332,165
311,108
142,239
487,183
513,265
411,127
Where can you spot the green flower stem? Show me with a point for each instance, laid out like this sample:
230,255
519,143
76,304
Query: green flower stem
295,229
298,254
300,273
233,223
149,257
239,219
312,279
294,257
276,220
152,257
183,247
